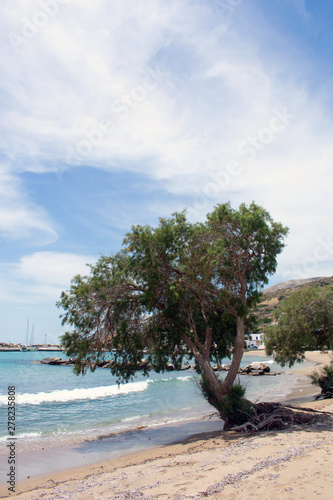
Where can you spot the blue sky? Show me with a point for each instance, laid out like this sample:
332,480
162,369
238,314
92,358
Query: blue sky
117,112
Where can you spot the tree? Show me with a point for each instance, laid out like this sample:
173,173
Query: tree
176,291
324,379
304,322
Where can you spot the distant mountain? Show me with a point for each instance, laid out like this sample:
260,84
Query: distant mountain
275,294
295,284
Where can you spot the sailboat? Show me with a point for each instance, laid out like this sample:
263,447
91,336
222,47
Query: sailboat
29,347
32,340
25,347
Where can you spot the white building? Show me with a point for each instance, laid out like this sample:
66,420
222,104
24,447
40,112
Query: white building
254,340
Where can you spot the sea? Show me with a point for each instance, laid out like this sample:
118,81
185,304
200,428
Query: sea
56,408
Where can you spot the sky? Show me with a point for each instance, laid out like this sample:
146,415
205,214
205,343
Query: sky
115,113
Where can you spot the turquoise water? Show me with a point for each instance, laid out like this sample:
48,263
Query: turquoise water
54,405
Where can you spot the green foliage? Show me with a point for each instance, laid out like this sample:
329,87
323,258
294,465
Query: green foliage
174,292
266,321
209,394
304,322
258,238
324,379
233,408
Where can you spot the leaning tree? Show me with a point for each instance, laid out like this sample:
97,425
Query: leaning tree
174,292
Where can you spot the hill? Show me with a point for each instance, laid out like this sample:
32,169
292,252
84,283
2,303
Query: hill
273,295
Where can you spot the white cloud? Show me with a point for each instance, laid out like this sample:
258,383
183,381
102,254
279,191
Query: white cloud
220,86
20,218
53,268
85,61
41,277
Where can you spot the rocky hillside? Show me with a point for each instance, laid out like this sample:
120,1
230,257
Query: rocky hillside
275,294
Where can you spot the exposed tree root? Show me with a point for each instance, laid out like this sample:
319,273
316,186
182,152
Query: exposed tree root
269,416
325,393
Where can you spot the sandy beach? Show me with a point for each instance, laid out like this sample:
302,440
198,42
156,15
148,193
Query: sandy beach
295,463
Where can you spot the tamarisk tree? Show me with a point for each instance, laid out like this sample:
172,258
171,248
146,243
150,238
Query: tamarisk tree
178,291
303,322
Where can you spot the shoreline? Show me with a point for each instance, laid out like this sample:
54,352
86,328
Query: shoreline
206,444
55,442
303,388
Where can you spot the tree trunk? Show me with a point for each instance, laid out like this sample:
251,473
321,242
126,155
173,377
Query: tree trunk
213,389
236,356
208,374
219,390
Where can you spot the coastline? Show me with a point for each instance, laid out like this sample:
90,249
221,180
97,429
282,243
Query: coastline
303,388
199,463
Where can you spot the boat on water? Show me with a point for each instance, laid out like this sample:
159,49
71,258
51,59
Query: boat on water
49,348
31,346
35,348
27,347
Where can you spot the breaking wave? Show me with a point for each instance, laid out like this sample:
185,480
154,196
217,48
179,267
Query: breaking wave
65,395
92,393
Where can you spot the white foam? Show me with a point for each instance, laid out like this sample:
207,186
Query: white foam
63,396
23,435
136,417
182,379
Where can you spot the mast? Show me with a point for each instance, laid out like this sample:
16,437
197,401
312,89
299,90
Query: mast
32,338
27,336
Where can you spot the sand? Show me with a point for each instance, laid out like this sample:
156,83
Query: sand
295,463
